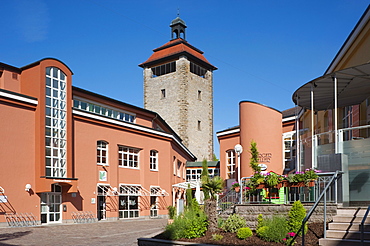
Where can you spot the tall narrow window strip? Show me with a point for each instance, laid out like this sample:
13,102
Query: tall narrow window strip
55,123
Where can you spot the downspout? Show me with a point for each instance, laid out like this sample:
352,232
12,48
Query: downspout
312,128
298,166
335,114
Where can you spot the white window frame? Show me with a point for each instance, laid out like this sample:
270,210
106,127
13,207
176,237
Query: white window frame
179,165
153,160
99,153
230,163
55,123
132,155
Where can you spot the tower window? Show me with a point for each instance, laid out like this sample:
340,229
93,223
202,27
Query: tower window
164,69
199,95
198,70
199,125
163,93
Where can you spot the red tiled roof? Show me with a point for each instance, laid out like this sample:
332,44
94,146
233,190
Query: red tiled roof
176,46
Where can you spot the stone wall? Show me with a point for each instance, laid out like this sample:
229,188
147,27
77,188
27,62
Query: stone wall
182,109
251,211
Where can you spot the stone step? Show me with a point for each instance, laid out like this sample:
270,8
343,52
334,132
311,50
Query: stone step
347,235
341,242
344,211
348,227
349,219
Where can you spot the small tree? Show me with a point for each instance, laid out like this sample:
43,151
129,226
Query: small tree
296,215
214,186
205,178
254,157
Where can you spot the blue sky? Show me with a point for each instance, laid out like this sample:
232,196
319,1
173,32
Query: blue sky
264,50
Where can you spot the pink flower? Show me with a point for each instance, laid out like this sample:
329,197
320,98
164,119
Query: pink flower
284,239
292,234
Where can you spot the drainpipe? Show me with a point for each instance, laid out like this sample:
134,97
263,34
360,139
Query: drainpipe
312,128
297,139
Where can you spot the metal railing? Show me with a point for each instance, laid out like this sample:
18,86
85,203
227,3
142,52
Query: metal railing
322,195
226,201
287,195
362,225
83,217
20,220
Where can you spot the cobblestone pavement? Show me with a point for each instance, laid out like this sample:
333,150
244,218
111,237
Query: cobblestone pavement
123,232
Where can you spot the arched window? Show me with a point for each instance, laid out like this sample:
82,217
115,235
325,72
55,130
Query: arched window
230,164
102,153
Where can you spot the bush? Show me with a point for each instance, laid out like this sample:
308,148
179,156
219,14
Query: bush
191,224
217,237
244,232
259,221
171,212
233,223
273,229
220,222
296,216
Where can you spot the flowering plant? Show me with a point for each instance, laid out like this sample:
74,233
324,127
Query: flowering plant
234,185
306,176
288,238
272,179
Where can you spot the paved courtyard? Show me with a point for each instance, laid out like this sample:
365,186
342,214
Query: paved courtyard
123,232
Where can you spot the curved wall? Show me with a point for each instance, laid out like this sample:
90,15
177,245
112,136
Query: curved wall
263,125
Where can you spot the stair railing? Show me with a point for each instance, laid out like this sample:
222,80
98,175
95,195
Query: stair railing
310,212
362,225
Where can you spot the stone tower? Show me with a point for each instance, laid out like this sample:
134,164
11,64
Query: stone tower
178,84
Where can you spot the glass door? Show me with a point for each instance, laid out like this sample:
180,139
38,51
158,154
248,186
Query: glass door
51,207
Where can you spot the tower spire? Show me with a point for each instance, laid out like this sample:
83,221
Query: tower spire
178,27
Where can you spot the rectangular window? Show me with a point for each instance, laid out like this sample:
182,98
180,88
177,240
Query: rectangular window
163,93
199,125
128,157
102,153
199,95
164,69
103,110
178,168
153,160
230,158
198,70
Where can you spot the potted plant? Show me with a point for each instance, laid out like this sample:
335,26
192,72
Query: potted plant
301,179
235,186
273,180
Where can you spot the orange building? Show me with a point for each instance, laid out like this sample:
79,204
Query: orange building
263,125
66,151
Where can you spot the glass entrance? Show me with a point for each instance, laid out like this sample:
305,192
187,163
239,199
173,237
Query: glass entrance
51,205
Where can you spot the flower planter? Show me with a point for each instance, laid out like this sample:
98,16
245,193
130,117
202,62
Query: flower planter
299,184
264,186
237,189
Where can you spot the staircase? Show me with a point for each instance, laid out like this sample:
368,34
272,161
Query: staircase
345,229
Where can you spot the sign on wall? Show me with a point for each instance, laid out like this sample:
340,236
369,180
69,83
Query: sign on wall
102,175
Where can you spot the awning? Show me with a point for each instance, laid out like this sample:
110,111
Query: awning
185,185
133,190
158,191
353,88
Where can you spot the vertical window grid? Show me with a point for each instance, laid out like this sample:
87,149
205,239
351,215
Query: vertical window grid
55,123
102,153
230,158
153,160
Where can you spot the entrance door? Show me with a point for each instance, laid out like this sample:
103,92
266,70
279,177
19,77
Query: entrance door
101,208
51,207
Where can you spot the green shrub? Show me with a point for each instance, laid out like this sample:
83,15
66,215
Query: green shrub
259,221
296,216
217,237
191,224
171,212
244,232
233,223
273,229
220,222
261,231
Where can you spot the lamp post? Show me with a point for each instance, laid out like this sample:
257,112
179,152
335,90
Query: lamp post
239,149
